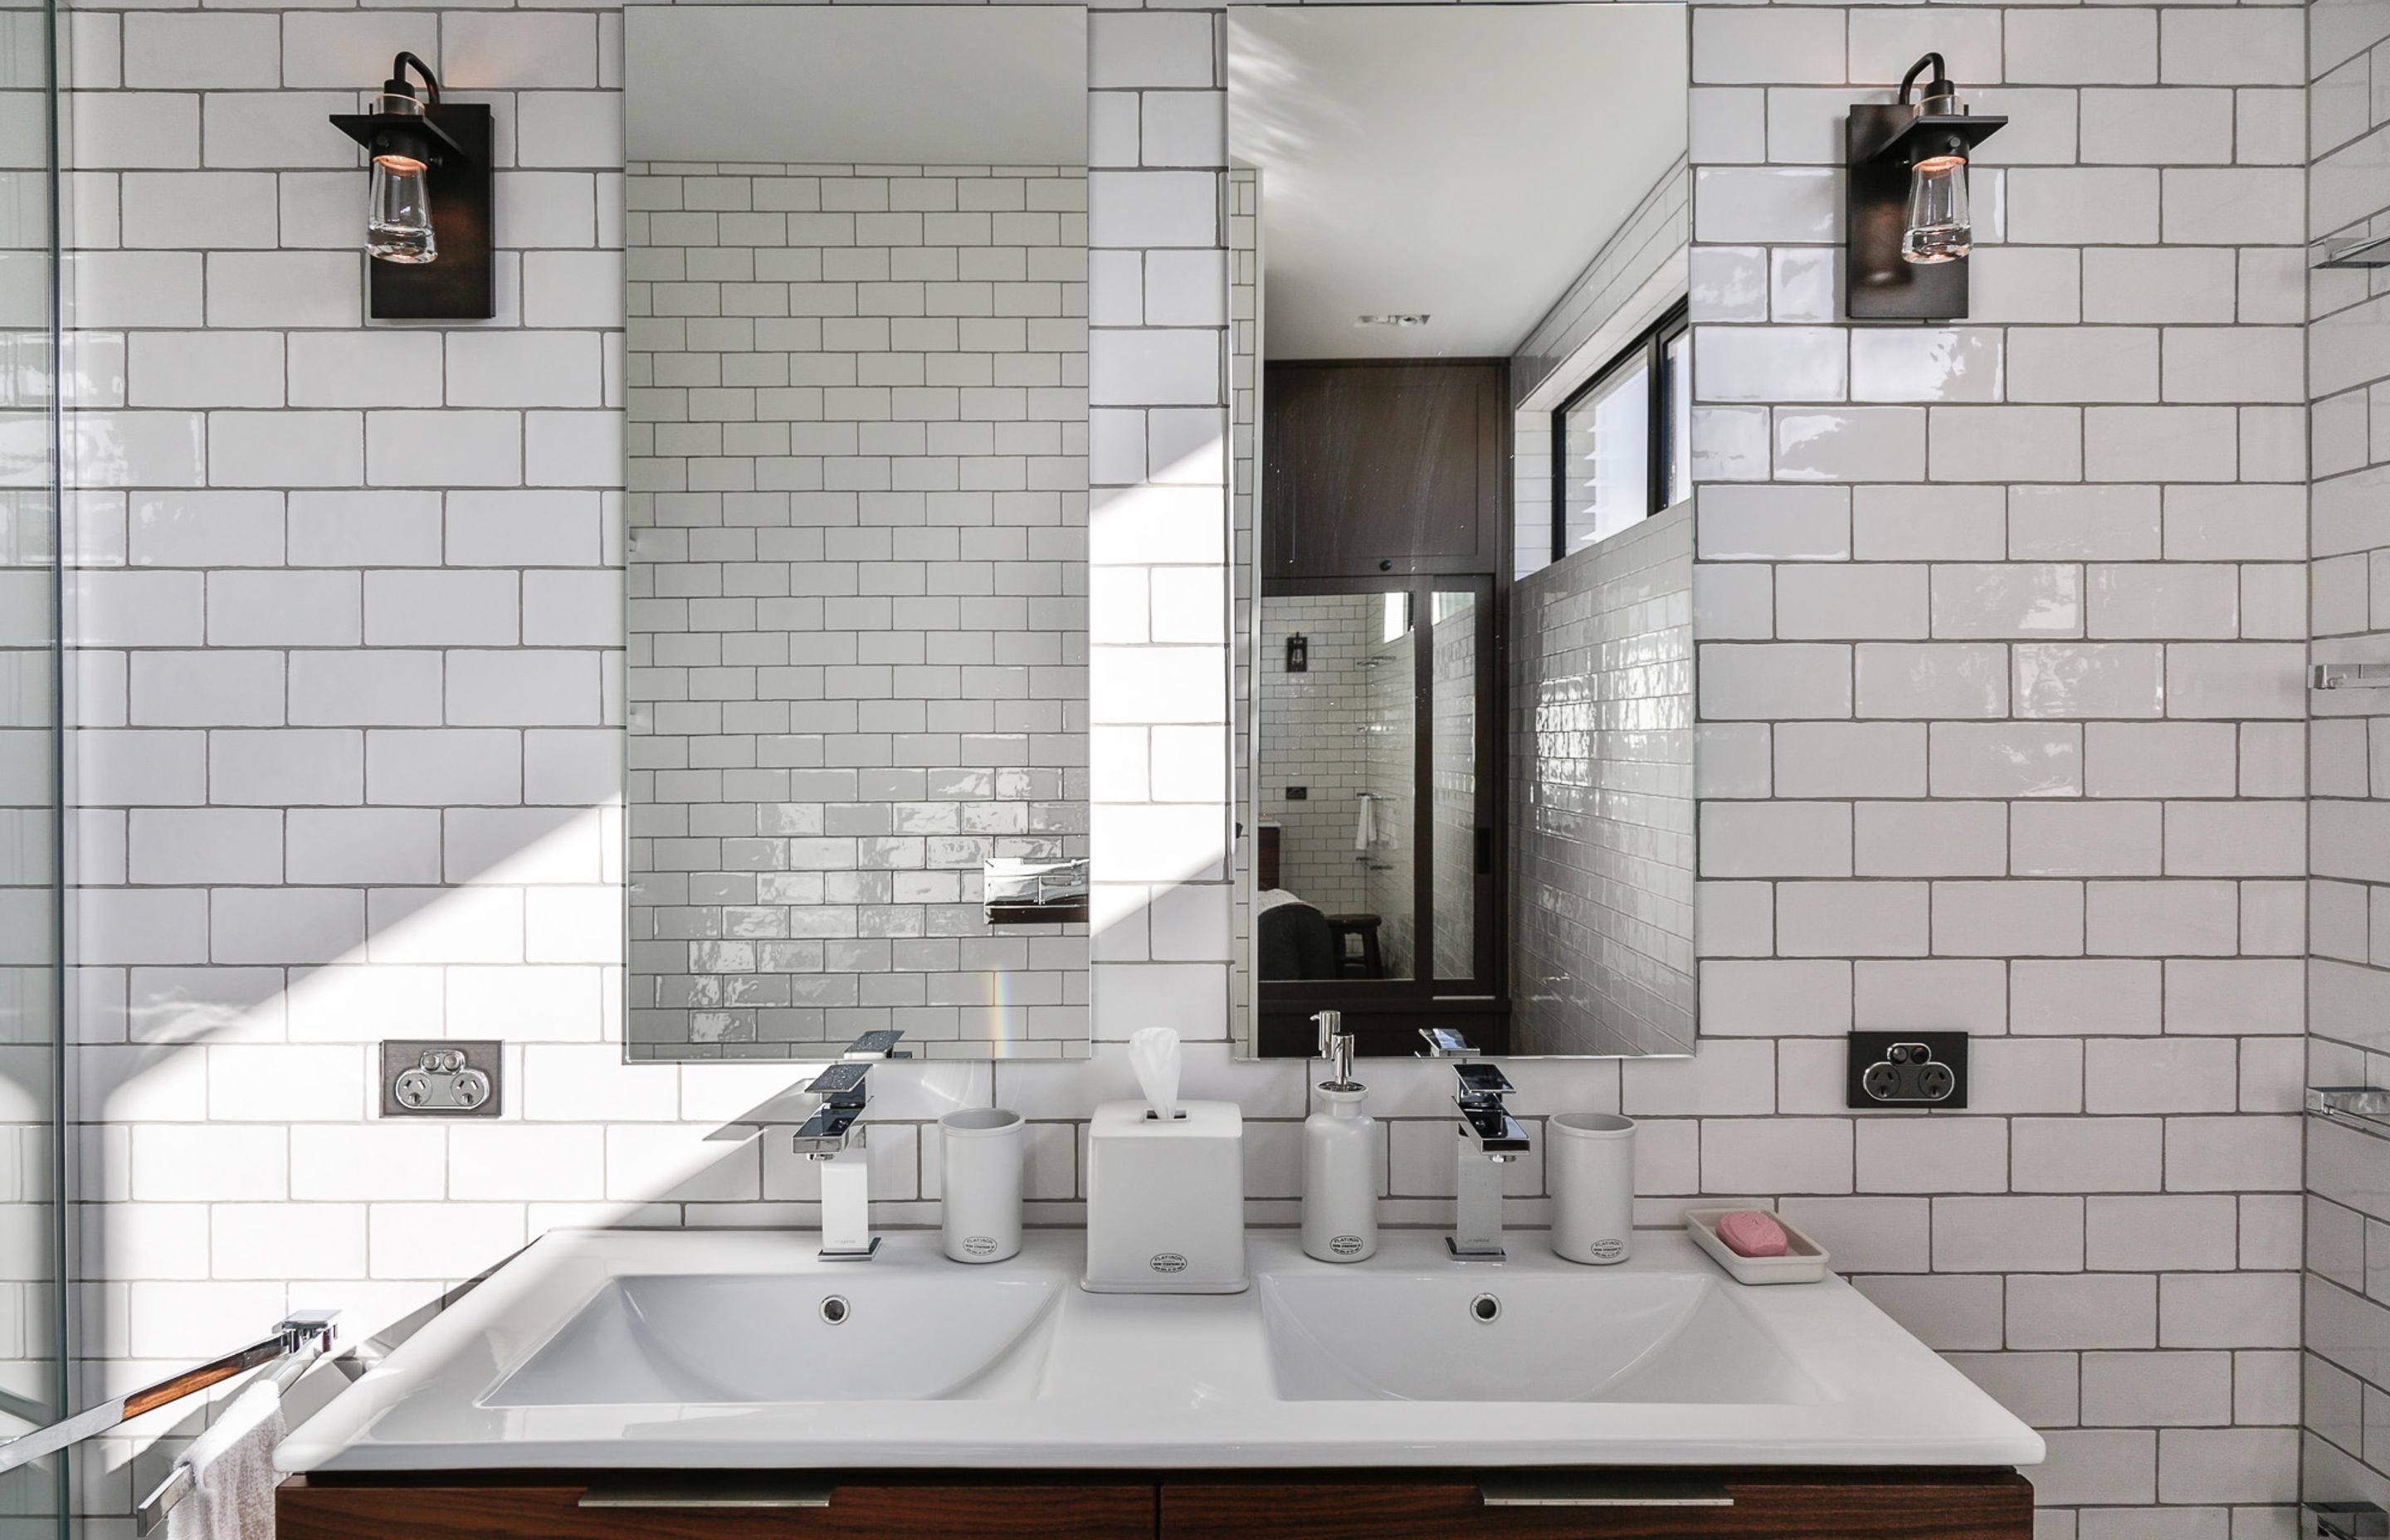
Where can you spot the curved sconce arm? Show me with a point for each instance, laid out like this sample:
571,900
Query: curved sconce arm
1907,82
404,61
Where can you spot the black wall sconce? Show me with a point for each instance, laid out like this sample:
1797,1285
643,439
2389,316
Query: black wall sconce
428,216
1908,228
1298,654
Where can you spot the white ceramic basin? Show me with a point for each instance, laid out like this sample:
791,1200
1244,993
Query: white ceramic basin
749,1338
1596,1336
706,1350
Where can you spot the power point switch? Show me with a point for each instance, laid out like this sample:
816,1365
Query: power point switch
1908,1068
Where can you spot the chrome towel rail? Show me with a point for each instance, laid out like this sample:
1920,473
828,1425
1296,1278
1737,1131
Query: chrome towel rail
306,1332
305,1337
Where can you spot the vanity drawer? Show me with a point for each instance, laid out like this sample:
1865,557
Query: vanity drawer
1870,1505
552,1509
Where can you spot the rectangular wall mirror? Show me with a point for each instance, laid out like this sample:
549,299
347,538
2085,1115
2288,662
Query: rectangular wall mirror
1458,270
856,378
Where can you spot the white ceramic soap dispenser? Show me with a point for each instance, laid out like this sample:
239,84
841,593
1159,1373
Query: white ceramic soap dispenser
1341,1153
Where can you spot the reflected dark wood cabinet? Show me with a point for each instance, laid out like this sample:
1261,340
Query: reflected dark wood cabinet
1393,476
1766,1505
1396,467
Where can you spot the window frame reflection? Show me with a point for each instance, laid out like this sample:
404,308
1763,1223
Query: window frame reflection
1663,353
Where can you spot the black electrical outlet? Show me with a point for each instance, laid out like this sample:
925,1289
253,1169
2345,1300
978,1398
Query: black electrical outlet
1298,793
1908,1068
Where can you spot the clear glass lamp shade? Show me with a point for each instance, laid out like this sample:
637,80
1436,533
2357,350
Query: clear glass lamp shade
1940,228
398,218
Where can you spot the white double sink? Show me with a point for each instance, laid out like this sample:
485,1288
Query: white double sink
743,1350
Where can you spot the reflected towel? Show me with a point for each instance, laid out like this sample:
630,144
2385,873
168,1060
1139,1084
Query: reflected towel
1366,832
232,1471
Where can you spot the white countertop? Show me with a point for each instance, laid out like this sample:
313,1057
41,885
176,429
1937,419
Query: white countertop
1133,1381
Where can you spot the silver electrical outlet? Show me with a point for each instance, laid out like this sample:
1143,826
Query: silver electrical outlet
439,1078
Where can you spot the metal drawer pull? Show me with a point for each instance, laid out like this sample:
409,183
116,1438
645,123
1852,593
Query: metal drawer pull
1588,1489
711,1493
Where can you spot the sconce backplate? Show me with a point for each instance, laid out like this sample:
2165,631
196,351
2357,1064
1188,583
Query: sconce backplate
1876,284
459,286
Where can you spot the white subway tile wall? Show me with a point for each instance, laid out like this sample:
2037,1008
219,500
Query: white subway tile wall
2346,1376
1601,794
225,1020
30,1028
857,609
2000,631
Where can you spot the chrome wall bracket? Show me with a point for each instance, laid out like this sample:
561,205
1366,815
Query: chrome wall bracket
2364,1107
2349,676
2351,251
2350,1521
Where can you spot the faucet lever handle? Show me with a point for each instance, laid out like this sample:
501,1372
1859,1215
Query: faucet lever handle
874,1045
1445,1043
1480,1079
842,1085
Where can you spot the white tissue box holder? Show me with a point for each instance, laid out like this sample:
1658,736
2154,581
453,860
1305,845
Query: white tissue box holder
1167,1200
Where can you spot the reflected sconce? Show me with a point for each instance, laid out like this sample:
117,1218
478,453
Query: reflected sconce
1909,229
1298,654
428,217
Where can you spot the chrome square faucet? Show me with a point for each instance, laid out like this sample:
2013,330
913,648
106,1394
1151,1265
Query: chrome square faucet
1490,1138
835,1135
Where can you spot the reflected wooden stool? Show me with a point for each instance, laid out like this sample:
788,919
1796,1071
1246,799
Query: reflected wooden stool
1371,963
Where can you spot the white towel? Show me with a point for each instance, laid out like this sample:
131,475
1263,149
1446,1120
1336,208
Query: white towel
1366,830
232,1471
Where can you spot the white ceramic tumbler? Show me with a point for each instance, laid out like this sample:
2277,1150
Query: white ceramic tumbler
1589,1159
979,1163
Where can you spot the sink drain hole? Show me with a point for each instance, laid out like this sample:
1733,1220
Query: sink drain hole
1485,1309
835,1310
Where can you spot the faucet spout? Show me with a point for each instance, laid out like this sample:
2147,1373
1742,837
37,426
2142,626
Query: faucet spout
1488,1139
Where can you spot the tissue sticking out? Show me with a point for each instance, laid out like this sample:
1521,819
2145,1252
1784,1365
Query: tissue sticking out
1153,1054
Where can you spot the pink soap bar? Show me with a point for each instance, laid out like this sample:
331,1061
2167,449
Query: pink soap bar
1749,1233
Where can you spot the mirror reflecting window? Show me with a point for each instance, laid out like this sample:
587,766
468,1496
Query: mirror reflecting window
1458,257
1605,443
1624,453
856,674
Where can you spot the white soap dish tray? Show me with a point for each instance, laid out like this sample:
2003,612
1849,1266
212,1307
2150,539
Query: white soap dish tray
1804,1261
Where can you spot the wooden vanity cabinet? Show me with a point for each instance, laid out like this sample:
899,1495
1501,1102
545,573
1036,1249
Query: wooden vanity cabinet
1824,1505
548,1506
1605,1505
